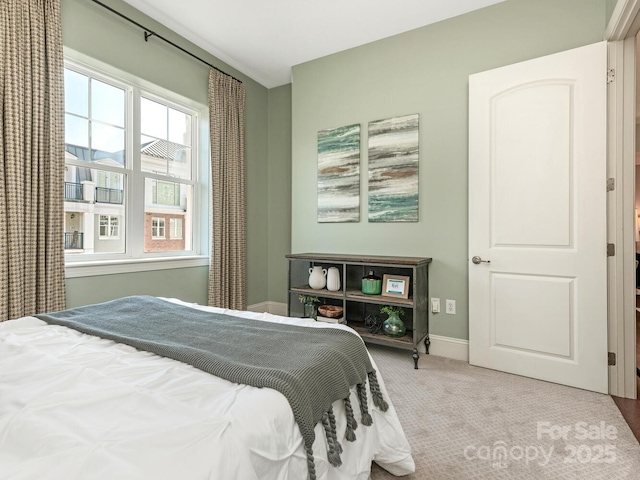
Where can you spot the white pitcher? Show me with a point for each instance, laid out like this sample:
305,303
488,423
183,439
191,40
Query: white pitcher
317,277
333,279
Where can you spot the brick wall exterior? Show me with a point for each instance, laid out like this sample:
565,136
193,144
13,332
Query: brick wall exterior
160,245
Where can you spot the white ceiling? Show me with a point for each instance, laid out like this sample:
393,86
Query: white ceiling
265,38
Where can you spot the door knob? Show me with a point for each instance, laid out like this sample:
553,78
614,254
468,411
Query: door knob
477,260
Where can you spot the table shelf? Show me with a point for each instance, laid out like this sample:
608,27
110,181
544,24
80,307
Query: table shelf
357,305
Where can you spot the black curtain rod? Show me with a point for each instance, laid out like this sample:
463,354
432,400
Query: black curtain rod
150,33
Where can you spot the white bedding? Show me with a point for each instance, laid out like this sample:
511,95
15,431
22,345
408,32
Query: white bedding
76,407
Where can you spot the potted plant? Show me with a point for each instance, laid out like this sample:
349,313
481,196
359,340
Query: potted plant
393,326
310,305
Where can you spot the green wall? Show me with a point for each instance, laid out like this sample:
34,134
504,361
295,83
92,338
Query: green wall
188,284
279,180
424,71
93,31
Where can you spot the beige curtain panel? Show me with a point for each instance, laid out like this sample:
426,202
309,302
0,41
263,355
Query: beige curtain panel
32,158
228,270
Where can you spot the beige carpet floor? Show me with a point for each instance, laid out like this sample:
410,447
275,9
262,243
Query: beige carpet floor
466,422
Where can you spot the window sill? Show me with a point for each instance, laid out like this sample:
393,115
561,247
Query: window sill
113,267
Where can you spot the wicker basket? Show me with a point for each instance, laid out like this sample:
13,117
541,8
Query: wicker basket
330,311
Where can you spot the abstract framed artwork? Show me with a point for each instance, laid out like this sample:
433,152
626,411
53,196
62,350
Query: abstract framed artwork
393,169
339,174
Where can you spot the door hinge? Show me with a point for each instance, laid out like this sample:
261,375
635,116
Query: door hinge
612,358
611,250
611,75
611,184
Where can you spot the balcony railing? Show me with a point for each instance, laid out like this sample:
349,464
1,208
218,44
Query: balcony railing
109,195
73,240
73,191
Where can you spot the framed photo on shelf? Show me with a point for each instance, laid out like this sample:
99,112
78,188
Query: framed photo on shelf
395,286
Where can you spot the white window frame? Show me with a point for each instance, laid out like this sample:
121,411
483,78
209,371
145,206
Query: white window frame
160,226
175,233
112,220
134,259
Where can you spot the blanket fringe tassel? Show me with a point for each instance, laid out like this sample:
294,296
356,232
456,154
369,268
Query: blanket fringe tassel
374,386
311,465
365,417
350,434
334,449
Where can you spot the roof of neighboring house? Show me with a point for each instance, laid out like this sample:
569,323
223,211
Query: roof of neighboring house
155,148
95,155
163,149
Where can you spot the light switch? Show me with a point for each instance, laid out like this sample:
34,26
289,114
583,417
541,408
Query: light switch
435,305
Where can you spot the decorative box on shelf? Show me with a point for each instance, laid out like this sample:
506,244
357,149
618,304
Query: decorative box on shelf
405,284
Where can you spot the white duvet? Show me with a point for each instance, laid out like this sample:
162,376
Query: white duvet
76,407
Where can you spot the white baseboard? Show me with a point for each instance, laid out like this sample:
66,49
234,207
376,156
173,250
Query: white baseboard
259,307
448,347
276,308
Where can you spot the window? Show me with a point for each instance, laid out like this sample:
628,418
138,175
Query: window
157,228
108,226
109,180
165,193
130,152
175,226
166,139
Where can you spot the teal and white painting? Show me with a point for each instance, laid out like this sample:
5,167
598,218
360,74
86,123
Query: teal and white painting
339,174
393,169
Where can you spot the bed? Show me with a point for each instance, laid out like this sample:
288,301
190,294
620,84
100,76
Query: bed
77,406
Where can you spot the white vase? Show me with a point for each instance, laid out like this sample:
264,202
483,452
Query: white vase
317,278
333,279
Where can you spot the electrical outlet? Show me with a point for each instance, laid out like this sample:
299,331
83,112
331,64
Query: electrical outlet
435,305
450,307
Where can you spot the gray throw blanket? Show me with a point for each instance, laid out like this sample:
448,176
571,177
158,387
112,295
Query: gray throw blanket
311,367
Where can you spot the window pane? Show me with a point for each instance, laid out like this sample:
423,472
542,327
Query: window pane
153,155
104,225
158,228
107,103
168,216
165,193
109,226
153,120
93,215
179,164
76,93
109,187
176,228
113,227
107,144
165,158
76,134
179,127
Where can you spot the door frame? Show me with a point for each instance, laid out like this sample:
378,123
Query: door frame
620,33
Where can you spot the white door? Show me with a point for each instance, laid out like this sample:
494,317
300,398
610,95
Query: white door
537,213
